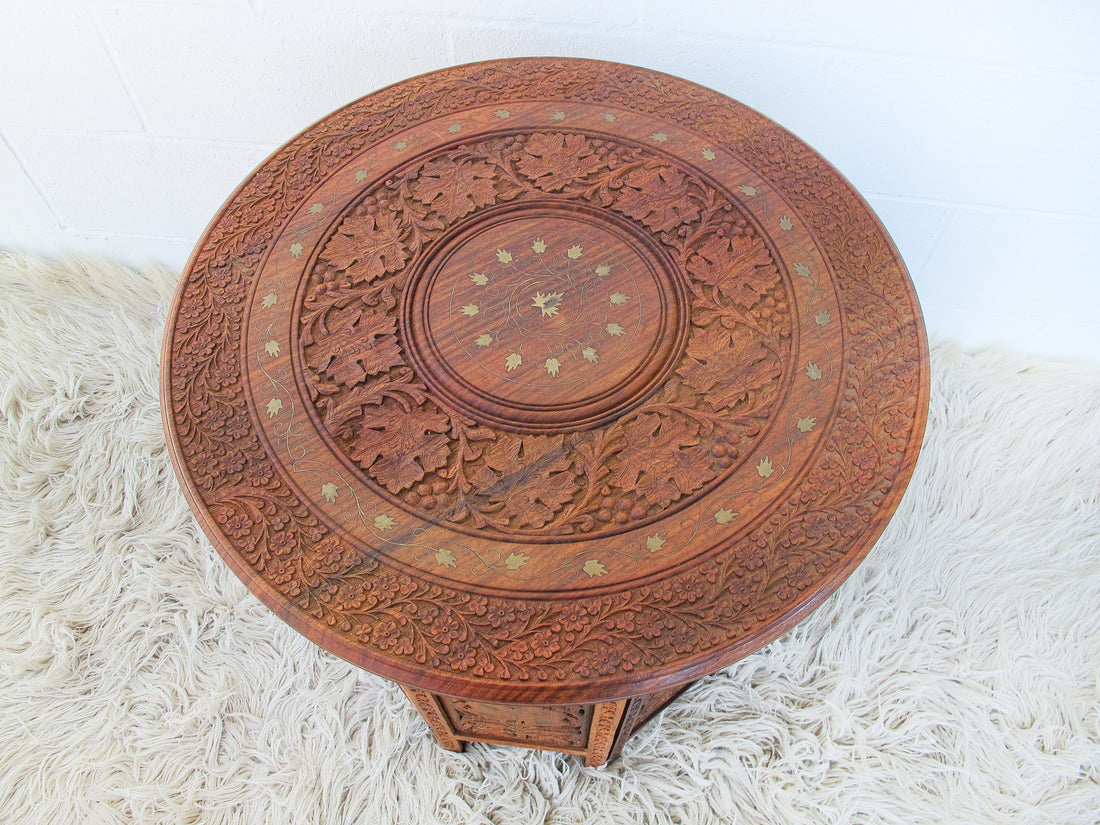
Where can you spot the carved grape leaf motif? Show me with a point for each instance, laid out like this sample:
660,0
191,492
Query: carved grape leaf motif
357,344
554,160
399,447
455,188
366,247
726,367
647,435
740,268
530,476
655,196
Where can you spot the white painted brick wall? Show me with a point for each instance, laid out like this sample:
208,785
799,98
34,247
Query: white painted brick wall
970,125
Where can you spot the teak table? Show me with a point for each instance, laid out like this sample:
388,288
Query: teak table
544,388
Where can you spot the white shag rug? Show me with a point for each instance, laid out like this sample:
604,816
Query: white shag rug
955,678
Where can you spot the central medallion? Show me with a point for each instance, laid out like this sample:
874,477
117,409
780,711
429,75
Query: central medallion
545,318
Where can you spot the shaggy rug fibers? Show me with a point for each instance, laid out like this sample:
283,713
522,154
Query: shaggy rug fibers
954,678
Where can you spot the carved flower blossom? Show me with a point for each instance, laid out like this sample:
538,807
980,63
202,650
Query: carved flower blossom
461,656
322,559
501,614
282,543
544,644
387,634
448,629
238,525
574,617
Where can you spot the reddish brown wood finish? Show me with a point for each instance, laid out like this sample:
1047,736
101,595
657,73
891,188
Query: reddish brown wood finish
544,383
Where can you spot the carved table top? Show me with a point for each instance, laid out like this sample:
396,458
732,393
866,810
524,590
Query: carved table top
544,380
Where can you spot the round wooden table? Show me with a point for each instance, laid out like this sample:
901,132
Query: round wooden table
544,388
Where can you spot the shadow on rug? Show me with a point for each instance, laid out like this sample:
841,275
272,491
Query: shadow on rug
952,678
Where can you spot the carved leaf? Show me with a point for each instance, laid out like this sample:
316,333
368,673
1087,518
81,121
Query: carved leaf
658,198
741,268
530,477
455,188
555,160
367,247
399,448
678,473
708,355
359,344
726,367
651,441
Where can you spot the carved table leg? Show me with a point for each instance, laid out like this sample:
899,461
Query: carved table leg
429,708
605,724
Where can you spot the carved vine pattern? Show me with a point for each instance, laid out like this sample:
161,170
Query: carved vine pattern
506,639
445,466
